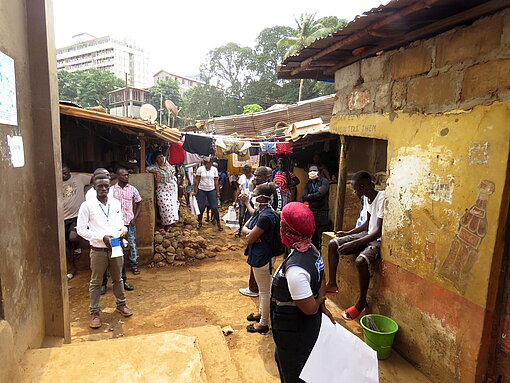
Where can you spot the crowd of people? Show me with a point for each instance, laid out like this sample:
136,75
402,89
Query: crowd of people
291,298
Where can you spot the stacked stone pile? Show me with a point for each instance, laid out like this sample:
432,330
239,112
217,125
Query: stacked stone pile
184,244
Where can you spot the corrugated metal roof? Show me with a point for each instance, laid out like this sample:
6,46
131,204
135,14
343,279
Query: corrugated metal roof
387,27
265,123
162,132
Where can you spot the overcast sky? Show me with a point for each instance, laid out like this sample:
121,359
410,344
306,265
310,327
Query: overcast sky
178,34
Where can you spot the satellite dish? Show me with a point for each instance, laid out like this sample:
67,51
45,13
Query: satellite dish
148,113
170,106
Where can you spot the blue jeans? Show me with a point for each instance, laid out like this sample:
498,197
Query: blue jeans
209,196
133,250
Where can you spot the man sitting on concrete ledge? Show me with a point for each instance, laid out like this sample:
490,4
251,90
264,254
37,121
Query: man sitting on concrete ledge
363,241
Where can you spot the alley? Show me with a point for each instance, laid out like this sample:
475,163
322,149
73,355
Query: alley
202,293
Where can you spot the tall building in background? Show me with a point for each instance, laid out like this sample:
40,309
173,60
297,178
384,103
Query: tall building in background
119,57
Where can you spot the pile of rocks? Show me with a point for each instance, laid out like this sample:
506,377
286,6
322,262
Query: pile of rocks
177,245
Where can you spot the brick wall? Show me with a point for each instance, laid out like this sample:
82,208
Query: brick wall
458,69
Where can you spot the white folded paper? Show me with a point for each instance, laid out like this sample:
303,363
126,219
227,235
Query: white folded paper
339,356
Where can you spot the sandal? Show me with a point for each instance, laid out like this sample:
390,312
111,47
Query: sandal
199,225
253,318
352,313
220,228
237,235
262,330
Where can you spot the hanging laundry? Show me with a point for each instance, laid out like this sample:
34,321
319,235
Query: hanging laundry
176,153
283,147
253,161
268,148
198,144
194,159
232,146
255,150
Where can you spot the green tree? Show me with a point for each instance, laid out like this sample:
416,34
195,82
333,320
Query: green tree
228,67
333,23
309,30
88,88
252,108
206,101
267,55
164,90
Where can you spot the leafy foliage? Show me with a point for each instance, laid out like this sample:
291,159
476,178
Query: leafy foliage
309,30
165,90
228,67
252,108
87,88
206,101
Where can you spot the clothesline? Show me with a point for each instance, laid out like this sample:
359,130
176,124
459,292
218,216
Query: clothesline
198,147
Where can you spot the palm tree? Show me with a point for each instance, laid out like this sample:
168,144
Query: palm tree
308,30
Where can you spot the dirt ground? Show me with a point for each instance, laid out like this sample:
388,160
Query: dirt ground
200,293
204,292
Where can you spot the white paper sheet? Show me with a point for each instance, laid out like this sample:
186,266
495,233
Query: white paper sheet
340,357
8,109
117,251
15,144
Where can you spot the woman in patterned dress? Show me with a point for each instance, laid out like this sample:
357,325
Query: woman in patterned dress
166,190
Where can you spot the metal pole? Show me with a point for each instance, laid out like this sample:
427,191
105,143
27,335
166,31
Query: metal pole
341,185
142,154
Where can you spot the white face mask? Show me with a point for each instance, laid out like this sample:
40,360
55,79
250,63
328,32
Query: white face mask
313,175
257,204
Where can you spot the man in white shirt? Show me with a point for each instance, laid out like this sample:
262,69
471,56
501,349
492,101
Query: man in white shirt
100,221
363,241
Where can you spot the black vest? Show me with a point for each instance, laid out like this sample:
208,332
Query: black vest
308,261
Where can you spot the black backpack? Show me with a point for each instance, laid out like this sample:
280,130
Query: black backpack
278,246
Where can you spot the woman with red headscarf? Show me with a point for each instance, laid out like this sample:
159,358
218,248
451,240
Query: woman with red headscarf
297,293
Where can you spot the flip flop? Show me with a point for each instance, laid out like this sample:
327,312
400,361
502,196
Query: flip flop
352,313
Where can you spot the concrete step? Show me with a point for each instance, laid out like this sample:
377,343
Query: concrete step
164,357
198,354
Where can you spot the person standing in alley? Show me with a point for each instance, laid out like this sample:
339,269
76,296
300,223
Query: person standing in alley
166,190
284,179
73,194
129,198
297,294
261,176
316,195
100,221
207,188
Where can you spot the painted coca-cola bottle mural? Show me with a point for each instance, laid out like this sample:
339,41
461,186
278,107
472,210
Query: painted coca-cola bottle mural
470,233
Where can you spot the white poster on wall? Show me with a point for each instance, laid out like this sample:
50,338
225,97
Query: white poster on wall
8,111
15,144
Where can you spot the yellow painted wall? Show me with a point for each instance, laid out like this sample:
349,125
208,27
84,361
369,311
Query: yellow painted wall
436,163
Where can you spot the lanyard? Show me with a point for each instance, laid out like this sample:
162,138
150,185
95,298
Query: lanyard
107,215
314,186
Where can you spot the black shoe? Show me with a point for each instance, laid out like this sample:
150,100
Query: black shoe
262,330
128,286
103,290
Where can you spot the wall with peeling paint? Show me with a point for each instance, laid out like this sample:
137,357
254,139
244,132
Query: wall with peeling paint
33,293
434,179
443,106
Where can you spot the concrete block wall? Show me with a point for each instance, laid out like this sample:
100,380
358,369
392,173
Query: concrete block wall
458,69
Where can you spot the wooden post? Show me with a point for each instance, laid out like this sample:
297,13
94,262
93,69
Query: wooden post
142,154
342,181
